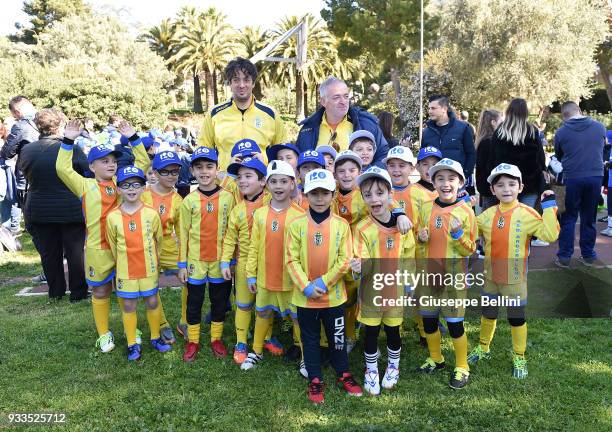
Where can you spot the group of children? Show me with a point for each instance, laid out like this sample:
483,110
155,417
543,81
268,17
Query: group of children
298,237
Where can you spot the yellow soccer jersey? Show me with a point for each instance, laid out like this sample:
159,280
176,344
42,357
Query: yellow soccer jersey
97,198
350,206
239,230
225,125
507,230
266,264
318,251
343,131
168,207
412,198
203,224
134,240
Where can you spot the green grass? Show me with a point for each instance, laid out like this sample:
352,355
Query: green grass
48,364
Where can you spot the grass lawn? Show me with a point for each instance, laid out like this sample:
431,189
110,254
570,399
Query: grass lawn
48,363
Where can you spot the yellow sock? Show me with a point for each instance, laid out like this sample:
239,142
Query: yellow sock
243,321
262,325
419,322
130,323
184,305
323,339
519,339
163,322
101,310
487,330
270,328
461,347
350,316
297,335
154,318
434,346
216,331
193,332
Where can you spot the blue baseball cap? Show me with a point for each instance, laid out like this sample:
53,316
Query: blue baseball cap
100,151
165,158
272,152
428,151
128,172
124,140
311,156
326,149
204,153
248,162
147,142
245,147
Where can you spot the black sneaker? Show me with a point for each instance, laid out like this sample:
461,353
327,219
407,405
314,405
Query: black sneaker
293,354
561,262
459,378
430,366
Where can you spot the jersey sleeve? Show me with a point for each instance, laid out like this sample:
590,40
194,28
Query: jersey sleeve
231,238
345,252
184,225
253,257
111,235
65,171
207,134
465,239
545,227
141,157
293,242
158,233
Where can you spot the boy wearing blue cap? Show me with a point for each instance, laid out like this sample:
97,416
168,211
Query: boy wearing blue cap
98,197
284,152
134,233
204,218
329,153
307,162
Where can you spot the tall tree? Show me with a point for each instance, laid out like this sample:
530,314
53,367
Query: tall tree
604,62
43,13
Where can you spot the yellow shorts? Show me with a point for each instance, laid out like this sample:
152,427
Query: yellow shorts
245,299
168,261
277,301
516,292
445,301
201,272
99,266
134,288
391,321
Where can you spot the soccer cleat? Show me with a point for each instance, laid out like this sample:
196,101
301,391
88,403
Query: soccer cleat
430,366
589,262
167,335
138,337
218,348
274,346
350,344
181,328
371,382
240,352
519,367
251,361
160,345
133,352
302,370
478,354
350,385
316,390
390,377
294,353
191,351
459,378
106,342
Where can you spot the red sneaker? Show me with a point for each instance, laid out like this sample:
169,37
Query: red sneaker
191,351
218,348
315,391
350,385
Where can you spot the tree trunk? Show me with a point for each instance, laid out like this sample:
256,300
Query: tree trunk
216,94
395,80
209,85
197,95
299,96
604,78
306,111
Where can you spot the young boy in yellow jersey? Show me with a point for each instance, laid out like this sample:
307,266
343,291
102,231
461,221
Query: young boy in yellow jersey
319,247
134,233
203,223
163,197
98,197
507,229
447,231
266,272
245,148
250,176
400,164
378,242
307,161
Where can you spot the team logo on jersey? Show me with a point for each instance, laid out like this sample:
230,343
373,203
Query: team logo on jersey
109,191
318,238
191,269
274,226
119,283
402,203
210,207
162,209
389,243
501,222
258,122
343,210
132,226
92,272
438,222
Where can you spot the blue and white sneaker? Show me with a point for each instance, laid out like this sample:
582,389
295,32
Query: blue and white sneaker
160,345
134,352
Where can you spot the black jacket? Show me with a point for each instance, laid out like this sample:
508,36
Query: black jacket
49,201
483,158
23,132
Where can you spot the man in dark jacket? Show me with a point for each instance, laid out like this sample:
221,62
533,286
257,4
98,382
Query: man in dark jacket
453,137
579,145
336,120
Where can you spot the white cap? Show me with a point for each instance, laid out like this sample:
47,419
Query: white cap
374,171
281,168
319,178
348,155
504,168
402,153
447,164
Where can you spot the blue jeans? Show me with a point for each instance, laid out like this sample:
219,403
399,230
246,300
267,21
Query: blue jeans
581,196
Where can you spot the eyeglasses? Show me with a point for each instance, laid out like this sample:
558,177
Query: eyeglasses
128,186
166,173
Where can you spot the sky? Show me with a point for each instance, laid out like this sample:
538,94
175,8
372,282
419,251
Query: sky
150,12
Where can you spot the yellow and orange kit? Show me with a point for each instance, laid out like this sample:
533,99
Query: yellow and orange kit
168,207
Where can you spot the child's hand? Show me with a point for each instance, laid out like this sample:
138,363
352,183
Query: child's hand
226,273
404,224
473,201
545,194
236,159
317,293
455,224
252,288
73,129
182,275
423,235
355,264
126,129
258,156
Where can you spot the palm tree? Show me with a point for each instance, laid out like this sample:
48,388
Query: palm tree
251,41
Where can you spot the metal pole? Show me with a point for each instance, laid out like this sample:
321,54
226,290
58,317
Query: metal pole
421,77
